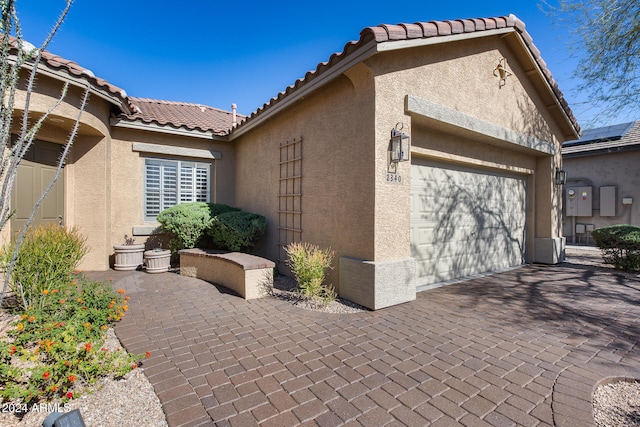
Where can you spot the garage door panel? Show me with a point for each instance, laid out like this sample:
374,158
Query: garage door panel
465,221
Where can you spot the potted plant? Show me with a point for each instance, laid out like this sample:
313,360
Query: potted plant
157,260
129,256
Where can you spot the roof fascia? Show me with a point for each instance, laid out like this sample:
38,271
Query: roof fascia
363,53
152,127
601,151
404,44
77,82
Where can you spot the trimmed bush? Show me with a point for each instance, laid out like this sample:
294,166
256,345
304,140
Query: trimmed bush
46,260
237,231
187,222
308,264
620,245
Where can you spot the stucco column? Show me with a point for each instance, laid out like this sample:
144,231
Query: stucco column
90,172
389,278
549,245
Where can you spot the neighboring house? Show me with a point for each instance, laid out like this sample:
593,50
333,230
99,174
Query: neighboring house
482,114
603,180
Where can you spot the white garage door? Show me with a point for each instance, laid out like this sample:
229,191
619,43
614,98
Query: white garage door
464,221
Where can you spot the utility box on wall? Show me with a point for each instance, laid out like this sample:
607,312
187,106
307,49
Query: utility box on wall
608,200
579,201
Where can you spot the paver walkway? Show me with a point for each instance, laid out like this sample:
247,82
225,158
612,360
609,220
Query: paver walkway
525,348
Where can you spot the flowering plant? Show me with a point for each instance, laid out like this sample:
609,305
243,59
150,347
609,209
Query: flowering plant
63,344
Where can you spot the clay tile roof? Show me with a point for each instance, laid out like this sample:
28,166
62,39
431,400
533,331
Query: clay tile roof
414,31
395,32
390,33
59,64
181,115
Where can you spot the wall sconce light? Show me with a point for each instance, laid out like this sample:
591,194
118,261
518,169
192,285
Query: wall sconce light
502,72
399,145
561,177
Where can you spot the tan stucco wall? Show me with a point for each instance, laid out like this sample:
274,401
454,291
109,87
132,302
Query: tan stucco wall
104,176
86,197
127,178
338,183
459,76
610,169
347,201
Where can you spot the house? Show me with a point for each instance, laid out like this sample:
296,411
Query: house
603,180
422,153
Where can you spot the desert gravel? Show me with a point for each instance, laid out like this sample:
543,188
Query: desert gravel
617,404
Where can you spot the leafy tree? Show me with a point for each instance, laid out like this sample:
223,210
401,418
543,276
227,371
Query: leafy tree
607,43
19,64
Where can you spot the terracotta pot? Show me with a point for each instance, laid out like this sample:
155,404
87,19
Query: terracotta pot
157,261
128,257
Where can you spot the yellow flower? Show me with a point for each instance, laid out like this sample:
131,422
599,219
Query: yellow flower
20,326
45,292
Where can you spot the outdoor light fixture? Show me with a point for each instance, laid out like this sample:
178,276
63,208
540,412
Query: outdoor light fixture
399,146
561,177
502,72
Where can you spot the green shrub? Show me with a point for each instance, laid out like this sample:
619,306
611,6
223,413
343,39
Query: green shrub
237,231
308,264
187,222
46,260
620,245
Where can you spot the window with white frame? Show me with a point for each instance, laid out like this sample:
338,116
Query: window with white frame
170,182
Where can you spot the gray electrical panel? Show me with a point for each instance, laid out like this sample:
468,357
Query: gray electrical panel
608,200
579,201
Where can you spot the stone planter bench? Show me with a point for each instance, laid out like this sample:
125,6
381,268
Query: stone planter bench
243,273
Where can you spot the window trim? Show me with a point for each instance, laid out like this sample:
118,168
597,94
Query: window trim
179,165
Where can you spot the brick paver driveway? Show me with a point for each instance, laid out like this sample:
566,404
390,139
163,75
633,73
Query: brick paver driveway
524,347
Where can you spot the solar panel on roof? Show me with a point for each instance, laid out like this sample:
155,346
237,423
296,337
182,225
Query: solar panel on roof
607,133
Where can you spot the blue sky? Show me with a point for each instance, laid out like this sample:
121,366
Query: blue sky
218,53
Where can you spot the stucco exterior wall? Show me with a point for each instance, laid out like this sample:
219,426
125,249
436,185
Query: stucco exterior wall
609,169
459,76
104,176
350,203
87,167
337,128
127,180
